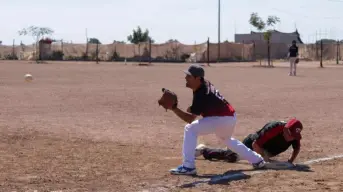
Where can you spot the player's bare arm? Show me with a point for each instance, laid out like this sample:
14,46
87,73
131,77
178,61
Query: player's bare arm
187,117
293,155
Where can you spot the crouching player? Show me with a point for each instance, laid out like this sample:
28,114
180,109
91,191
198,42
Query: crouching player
274,138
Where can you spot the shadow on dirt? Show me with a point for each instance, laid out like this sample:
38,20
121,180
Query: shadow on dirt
235,175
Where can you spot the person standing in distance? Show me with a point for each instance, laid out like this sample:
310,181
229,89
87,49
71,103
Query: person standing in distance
293,55
219,117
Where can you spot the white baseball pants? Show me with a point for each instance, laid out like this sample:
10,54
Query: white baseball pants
292,66
223,127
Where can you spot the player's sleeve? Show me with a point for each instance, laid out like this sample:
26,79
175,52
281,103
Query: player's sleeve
296,144
197,105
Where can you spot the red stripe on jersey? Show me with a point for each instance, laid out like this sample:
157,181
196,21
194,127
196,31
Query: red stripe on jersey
268,135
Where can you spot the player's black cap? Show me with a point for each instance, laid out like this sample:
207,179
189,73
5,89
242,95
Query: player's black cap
195,70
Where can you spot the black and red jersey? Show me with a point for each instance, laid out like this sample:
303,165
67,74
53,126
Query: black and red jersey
271,138
207,101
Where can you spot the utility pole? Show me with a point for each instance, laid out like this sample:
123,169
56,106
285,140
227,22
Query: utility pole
218,31
86,54
321,53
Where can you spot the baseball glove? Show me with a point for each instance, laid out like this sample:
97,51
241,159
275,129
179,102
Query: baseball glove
220,154
168,99
232,158
296,60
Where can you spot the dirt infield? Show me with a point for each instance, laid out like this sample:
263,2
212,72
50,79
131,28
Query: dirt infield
88,127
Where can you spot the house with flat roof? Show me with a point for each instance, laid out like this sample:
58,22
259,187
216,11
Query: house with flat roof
277,37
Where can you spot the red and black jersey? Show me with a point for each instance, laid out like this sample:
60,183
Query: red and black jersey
271,138
207,101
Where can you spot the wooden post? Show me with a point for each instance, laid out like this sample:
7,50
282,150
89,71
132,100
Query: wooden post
261,46
317,54
243,51
139,53
40,47
254,51
97,52
321,53
268,51
208,51
13,49
339,51
149,50
337,56
62,45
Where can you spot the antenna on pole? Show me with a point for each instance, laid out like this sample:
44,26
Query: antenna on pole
86,35
218,31
86,53
235,27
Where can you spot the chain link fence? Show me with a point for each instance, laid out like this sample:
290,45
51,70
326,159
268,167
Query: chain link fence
174,52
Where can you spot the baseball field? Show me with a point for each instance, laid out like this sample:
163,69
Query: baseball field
88,127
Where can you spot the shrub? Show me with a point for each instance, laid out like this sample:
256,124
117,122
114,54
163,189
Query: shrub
11,57
115,56
85,56
185,56
57,55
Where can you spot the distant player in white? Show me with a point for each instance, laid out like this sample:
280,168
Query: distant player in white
219,117
293,55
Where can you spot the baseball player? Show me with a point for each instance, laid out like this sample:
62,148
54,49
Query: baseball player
219,117
293,55
273,139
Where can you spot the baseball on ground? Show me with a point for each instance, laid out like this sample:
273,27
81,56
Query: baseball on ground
28,77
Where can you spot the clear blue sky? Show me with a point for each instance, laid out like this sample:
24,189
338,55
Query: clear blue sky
188,21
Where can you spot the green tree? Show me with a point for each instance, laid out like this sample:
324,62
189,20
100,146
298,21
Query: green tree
94,41
138,36
36,33
264,26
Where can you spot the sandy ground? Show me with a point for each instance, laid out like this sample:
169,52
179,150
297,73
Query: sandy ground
87,127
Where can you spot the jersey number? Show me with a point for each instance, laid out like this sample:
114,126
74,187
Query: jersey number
217,94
